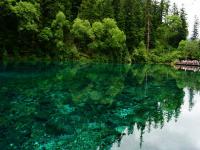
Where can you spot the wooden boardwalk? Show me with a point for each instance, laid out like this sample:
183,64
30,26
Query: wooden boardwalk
188,63
188,68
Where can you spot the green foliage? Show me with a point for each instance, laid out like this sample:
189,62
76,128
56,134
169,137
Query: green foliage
91,28
81,29
5,55
28,15
182,45
190,49
60,21
140,54
96,10
170,32
98,29
101,36
60,27
109,23
108,37
174,22
49,9
157,55
45,34
117,38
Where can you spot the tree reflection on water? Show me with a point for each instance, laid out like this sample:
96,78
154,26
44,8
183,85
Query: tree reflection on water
87,106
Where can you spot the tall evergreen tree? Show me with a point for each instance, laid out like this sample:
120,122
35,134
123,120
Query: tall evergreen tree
175,9
157,12
161,10
184,30
107,9
96,10
133,22
116,8
166,8
75,8
49,9
119,13
195,32
86,9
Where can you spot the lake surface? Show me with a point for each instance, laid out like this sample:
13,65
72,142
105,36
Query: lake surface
74,106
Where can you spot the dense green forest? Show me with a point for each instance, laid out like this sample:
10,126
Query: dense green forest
101,30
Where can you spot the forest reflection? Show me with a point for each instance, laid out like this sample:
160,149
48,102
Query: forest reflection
87,106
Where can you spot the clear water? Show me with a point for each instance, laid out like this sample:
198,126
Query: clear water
74,106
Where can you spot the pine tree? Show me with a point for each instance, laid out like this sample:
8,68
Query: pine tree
157,12
175,9
96,10
87,10
74,8
163,9
116,7
195,33
166,8
184,30
107,10
51,8
119,13
133,22
161,13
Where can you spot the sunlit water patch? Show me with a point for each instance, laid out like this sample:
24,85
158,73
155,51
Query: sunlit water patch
74,106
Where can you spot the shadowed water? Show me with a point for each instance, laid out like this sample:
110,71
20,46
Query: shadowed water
74,106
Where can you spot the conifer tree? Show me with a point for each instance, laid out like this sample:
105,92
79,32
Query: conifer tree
87,10
107,11
119,13
195,32
175,9
133,22
75,8
184,30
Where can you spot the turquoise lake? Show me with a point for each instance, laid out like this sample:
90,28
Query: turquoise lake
76,106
